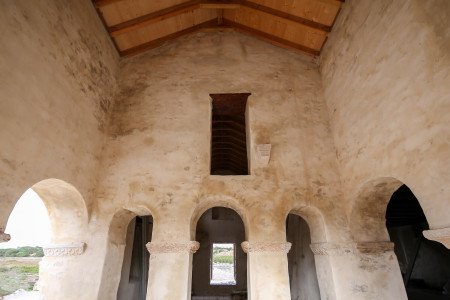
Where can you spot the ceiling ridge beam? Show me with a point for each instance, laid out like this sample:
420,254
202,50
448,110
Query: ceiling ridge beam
284,15
275,40
158,42
153,17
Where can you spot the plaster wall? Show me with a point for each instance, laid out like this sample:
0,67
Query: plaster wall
57,77
386,74
157,155
57,83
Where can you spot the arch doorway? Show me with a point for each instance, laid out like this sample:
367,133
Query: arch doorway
424,264
219,269
136,260
302,270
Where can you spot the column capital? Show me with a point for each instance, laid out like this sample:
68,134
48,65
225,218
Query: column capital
266,247
4,237
339,249
441,235
64,250
173,247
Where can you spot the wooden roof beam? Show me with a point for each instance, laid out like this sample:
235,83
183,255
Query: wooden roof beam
275,40
285,15
196,4
158,42
153,17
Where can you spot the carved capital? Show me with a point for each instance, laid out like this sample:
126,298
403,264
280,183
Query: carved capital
265,247
441,235
173,247
333,249
4,237
64,250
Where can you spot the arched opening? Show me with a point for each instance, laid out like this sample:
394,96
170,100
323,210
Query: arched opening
68,219
424,264
302,269
127,261
135,266
220,265
29,228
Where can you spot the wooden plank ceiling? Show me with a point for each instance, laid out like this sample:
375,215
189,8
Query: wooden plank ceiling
138,25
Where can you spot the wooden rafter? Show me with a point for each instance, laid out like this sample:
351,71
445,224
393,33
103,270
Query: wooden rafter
285,15
158,42
275,40
220,23
153,17
196,4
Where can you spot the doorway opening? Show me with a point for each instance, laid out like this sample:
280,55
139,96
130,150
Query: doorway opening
135,267
301,264
424,264
219,268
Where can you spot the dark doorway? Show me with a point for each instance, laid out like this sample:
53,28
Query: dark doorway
302,269
219,269
425,264
133,281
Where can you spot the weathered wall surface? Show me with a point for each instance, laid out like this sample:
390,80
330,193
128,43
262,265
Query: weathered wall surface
158,152
57,76
386,76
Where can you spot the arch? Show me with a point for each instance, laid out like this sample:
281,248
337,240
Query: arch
367,215
211,201
314,219
115,247
67,210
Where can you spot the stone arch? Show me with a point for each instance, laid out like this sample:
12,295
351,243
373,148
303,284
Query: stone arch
67,210
211,201
367,215
315,221
115,247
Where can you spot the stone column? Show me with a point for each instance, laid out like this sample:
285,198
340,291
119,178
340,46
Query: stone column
59,271
362,270
439,235
267,270
169,271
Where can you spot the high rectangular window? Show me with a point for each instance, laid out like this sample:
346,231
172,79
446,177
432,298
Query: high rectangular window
228,134
223,266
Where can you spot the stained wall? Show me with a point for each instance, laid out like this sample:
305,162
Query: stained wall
386,74
57,79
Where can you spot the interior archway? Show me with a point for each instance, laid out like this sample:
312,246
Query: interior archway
219,267
64,212
302,269
424,264
128,235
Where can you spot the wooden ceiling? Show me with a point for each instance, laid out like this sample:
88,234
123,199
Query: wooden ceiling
138,25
